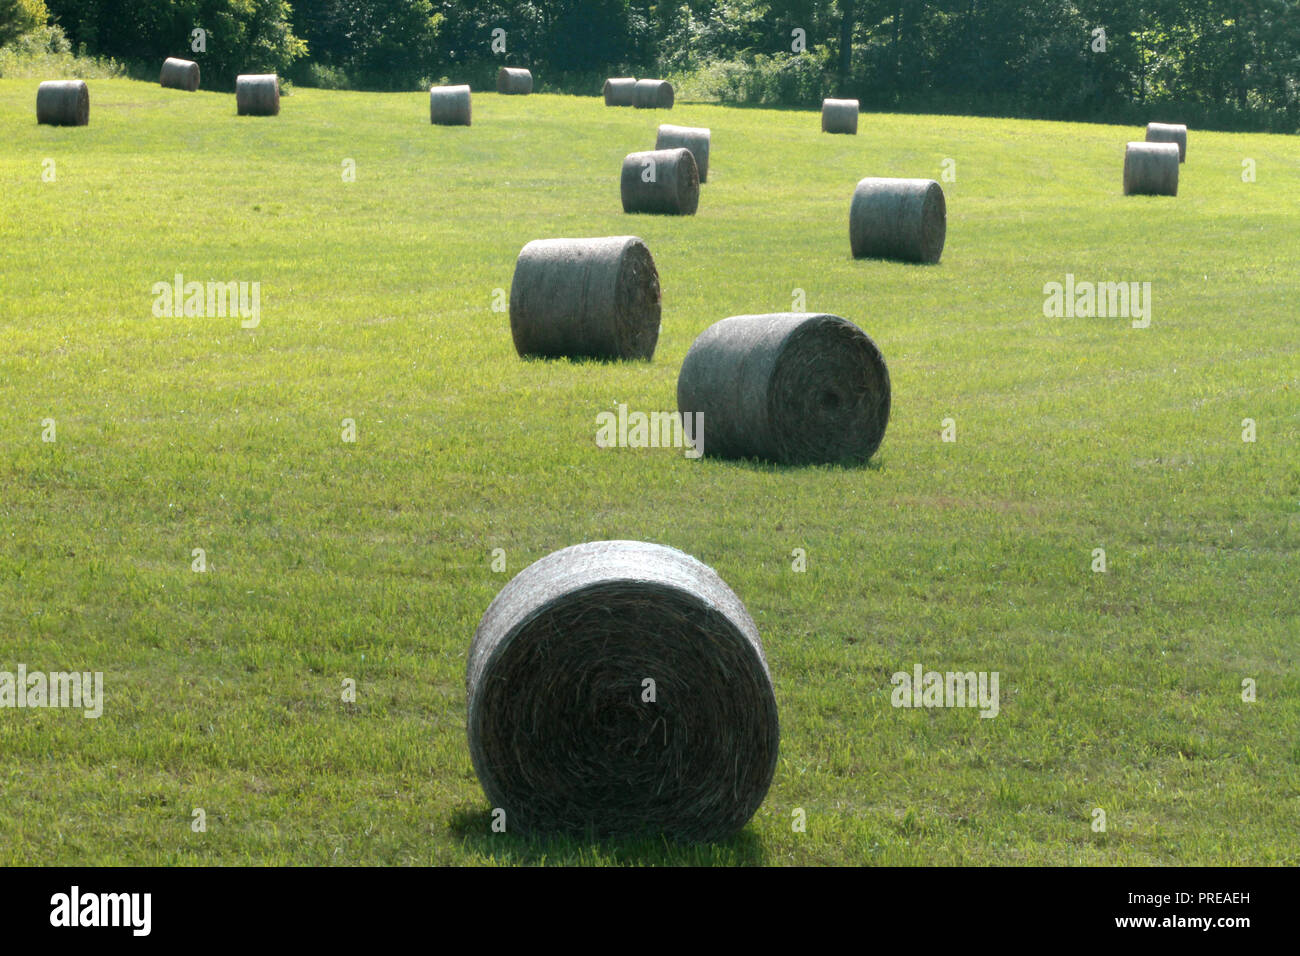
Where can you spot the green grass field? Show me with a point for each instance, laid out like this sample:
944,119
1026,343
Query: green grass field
371,560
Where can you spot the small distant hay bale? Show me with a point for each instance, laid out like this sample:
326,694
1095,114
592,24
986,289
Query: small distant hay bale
840,116
179,74
514,81
619,689
257,94
63,103
1169,133
585,298
795,388
652,95
904,219
661,181
620,90
449,105
696,139
1151,169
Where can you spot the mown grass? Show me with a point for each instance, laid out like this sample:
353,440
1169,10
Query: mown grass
371,561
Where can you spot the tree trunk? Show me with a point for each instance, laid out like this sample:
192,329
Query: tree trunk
847,9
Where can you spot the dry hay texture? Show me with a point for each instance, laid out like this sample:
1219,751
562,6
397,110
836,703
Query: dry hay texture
661,181
696,139
620,90
449,105
63,103
1169,133
179,74
585,298
840,116
515,81
794,388
257,94
652,95
1151,169
903,219
559,731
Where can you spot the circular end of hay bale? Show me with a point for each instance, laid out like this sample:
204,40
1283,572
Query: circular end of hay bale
178,74
904,219
63,103
696,139
257,94
663,181
450,105
1169,133
585,298
619,90
618,689
514,81
653,95
840,116
1151,169
795,388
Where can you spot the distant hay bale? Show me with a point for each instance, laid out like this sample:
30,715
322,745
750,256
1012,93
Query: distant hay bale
652,95
257,94
903,219
793,388
1151,169
63,103
179,74
620,689
840,116
620,90
585,298
449,105
696,139
1169,133
514,81
661,181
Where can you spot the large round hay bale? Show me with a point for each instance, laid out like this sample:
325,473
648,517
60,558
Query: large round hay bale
449,105
661,180
794,388
620,90
898,219
585,298
840,116
257,94
618,689
1151,169
1169,133
63,103
696,139
652,95
179,74
514,81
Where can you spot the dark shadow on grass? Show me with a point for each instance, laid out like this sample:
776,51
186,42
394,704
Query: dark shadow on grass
772,467
585,359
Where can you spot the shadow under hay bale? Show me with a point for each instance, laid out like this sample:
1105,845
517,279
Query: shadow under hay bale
1169,133
660,181
63,103
696,139
840,116
514,81
585,298
257,94
1151,169
903,219
620,90
177,74
652,95
449,105
795,388
619,688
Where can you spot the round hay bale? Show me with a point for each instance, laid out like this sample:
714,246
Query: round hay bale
619,91
696,139
179,74
1151,169
514,81
63,103
840,116
1169,133
449,105
566,731
661,180
903,219
652,95
794,388
585,298
257,94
